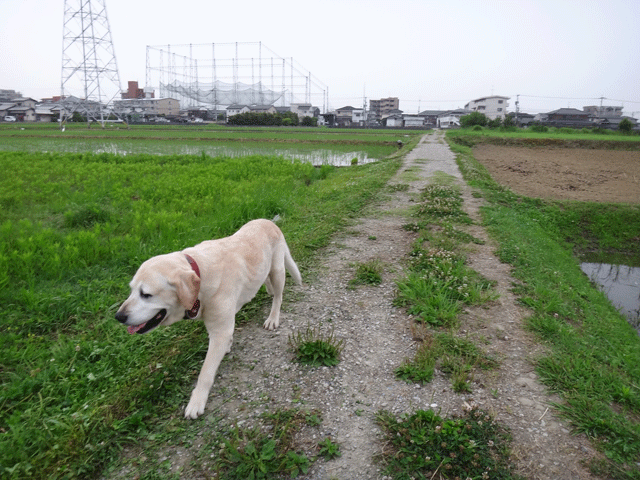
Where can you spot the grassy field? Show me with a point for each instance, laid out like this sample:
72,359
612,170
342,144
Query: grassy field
73,229
610,138
211,140
76,387
593,358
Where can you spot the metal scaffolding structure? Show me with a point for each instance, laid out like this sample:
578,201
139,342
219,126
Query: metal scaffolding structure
221,74
90,79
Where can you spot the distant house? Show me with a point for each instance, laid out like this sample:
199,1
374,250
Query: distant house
492,107
23,109
413,120
344,116
305,110
431,116
604,111
46,113
523,119
567,114
236,109
451,119
394,121
4,109
263,109
148,107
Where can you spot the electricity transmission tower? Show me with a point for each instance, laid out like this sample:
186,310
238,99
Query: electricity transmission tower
90,79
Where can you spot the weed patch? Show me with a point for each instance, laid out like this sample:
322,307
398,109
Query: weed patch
367,273
423,445
456,357
315,349
252,454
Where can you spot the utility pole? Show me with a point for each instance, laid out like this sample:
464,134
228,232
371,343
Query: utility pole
517,108
90,79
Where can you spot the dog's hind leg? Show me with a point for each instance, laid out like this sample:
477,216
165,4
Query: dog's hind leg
276,278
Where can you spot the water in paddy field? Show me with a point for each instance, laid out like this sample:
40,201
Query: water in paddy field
315,157
621,284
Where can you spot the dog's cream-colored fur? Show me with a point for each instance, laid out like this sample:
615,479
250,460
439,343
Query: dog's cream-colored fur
232,270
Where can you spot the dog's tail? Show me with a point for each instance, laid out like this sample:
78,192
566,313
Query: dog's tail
291,267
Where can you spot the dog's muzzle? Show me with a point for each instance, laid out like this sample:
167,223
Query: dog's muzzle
143,327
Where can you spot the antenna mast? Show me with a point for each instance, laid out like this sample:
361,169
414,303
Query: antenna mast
90,79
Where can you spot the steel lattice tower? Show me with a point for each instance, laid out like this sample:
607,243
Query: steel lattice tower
90,79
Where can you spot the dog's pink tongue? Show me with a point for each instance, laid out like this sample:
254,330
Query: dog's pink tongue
135,328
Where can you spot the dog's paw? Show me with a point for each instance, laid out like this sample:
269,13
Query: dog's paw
196,406
271,324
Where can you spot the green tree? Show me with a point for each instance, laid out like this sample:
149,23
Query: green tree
625,125
474,118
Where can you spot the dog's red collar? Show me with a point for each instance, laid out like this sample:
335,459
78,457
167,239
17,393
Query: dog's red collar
193,312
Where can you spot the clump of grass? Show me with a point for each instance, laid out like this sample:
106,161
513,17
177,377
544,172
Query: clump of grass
423,445
367,273
313,348
454,356
439,202
250,453
437,286
329,450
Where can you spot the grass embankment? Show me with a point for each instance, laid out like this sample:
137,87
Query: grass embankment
593,358
554,137
73,229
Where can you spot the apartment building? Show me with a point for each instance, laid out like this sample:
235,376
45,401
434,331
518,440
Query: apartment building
492,107
384,107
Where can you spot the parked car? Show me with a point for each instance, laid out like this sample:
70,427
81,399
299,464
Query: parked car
9,118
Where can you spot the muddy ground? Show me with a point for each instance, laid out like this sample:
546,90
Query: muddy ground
565,173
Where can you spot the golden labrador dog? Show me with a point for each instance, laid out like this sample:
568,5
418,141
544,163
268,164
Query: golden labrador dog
212,281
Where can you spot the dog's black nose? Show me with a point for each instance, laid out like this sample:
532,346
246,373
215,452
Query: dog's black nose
121,317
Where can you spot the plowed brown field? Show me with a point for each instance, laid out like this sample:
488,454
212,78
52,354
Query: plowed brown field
565,173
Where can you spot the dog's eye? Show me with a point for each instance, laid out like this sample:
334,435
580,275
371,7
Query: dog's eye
145,295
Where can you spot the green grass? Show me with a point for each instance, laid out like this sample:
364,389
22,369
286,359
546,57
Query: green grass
468,137
74,228
249,453
593,352
455,356
367,273
315,349
212,140
423,445
438,283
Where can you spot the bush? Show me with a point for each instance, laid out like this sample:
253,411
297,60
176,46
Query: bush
309,122
474,118
625,125
538,128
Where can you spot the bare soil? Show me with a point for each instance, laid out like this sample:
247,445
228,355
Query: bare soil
565,173
258,375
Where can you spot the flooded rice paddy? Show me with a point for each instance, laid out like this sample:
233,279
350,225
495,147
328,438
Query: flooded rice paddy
621,284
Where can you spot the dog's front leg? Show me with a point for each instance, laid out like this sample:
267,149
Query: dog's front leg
219,344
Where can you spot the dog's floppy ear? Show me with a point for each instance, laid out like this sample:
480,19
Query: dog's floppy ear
187,285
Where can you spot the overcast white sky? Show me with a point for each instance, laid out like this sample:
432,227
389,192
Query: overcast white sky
429,54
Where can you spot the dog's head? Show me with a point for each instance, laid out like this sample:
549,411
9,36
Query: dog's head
161,290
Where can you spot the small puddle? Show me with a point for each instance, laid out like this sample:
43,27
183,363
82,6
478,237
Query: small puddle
621,284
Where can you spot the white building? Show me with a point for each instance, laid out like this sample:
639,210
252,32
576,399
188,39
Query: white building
151,107
451,119
492,107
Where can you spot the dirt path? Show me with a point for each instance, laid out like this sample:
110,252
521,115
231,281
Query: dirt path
258,374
